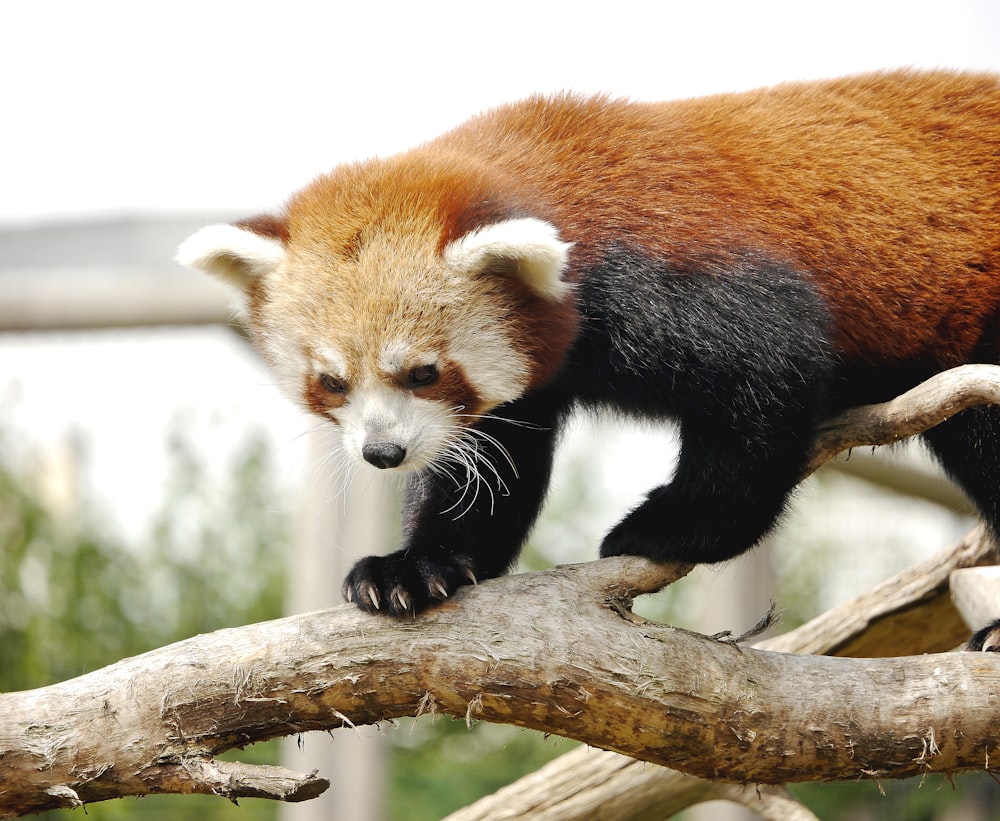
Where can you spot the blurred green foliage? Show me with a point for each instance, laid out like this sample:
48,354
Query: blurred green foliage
935,797
74,598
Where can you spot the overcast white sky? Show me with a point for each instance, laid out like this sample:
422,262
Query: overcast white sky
112,106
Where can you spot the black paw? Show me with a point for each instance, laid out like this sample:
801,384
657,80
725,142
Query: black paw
986,640
682,540
624,540
405,582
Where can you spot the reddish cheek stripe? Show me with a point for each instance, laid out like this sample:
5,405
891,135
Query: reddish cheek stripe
321,401
454,390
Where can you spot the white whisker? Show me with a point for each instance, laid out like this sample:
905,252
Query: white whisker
499,446
464,449
520,423
474,460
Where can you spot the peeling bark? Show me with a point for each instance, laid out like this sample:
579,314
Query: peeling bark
569,659
910,413
910,613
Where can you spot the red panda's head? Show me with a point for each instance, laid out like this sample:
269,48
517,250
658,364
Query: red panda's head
396,306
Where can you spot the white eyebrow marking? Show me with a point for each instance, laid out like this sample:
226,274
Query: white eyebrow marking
329,360
393,355
397,354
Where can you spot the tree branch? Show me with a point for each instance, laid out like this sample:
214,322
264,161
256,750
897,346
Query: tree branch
923,407
975,592
569,659
910,613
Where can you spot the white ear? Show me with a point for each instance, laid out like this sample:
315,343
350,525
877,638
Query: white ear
236,255
533,245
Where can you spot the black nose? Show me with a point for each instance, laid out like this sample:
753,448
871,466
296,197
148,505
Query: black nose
384,454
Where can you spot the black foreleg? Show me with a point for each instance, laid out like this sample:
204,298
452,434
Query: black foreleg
741,355
465,519
723,499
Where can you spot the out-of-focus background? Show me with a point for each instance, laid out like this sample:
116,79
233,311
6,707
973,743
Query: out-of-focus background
154,485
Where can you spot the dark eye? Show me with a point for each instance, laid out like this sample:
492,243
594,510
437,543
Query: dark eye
422,376
332,384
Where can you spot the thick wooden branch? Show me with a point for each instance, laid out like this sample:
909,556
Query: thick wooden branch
910,613
570,658
588,783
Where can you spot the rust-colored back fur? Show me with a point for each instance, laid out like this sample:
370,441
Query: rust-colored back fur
885,187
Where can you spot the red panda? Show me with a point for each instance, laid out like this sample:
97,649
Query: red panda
743,264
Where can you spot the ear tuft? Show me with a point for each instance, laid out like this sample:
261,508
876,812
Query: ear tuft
235,255
530,247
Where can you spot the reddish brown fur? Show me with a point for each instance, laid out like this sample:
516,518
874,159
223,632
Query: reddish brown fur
544,330
318,399
267,225
417,194
454,389
854,180
744,263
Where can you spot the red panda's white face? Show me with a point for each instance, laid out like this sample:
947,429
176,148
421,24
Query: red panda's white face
402,343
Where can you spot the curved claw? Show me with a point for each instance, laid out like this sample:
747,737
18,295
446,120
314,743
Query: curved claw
407,582
400,600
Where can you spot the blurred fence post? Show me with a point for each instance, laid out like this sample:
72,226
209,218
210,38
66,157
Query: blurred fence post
342,521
